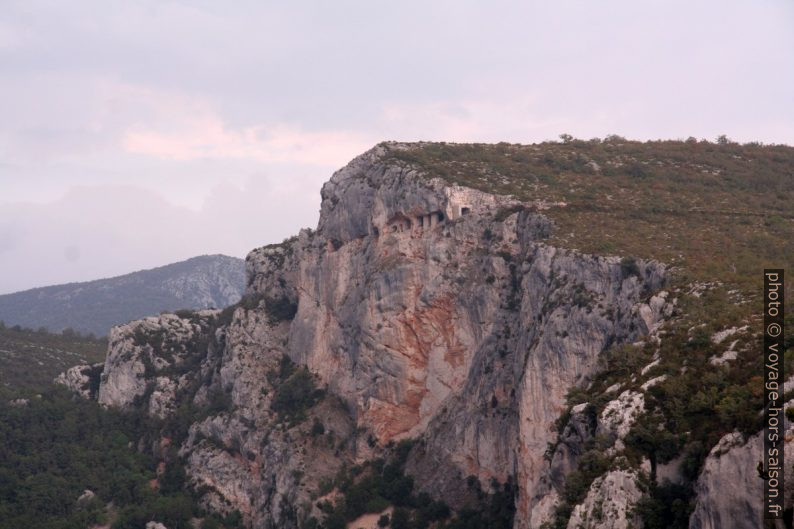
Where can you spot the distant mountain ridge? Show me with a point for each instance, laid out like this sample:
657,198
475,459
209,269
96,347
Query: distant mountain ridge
95,306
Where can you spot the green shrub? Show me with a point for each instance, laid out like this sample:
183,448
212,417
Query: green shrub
400,519
317,428
666,506
629,267
280,309
296,395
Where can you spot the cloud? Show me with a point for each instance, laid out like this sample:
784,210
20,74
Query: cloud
92,232
212,129
100,115
101,231
517,118
209,137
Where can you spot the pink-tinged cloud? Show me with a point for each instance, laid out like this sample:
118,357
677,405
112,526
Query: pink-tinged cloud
209,137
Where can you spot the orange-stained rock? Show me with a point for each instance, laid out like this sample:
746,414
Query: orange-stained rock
419,320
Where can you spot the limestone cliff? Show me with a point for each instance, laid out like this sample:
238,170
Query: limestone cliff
421,310
730,487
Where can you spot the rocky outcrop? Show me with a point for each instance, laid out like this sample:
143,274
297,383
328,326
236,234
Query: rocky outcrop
563,457
149,360
82,379
609,503
619,416
424,311
577,434
730,489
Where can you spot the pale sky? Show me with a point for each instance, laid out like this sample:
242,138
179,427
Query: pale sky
134,134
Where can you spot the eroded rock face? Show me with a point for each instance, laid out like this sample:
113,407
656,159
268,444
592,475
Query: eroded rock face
148,360
427,311
730,489
467,333
573,441
609,503
82,379
619,416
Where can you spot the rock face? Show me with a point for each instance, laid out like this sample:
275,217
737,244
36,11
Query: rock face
82,379
153,358
730,489
727,483
619,416
609,503
425,311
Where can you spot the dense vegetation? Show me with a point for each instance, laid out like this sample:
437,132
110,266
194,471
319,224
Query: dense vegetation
54,447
